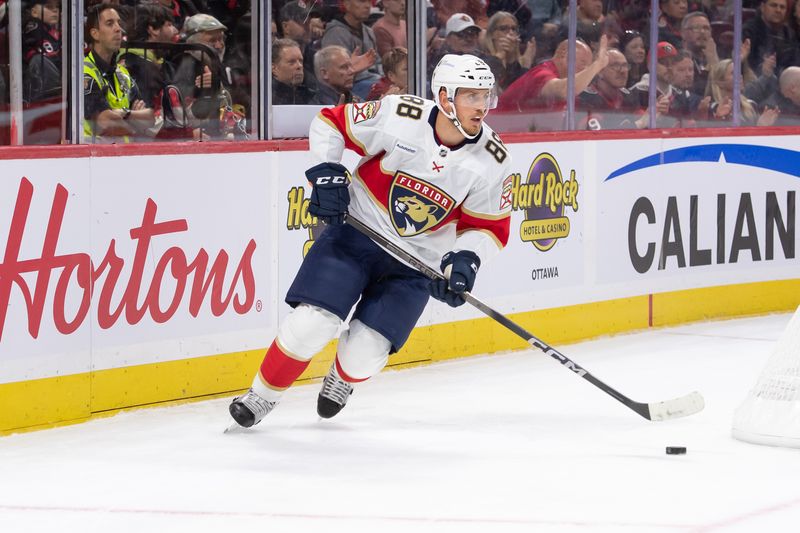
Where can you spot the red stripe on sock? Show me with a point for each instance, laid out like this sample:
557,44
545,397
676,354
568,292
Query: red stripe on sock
279,370
344,376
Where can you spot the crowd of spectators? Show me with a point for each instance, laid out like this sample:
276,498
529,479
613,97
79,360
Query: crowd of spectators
525,44
188,62
153,69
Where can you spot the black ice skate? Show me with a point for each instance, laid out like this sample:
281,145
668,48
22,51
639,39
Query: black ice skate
249,409
334,394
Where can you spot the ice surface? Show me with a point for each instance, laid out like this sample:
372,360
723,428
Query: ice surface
502,443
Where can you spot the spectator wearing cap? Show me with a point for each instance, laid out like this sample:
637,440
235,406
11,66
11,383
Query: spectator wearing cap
335,76
698,41
462,36
201,77
545,85
288,74
293,17
41,49
351,32
666,54
113,107
390,29
296,19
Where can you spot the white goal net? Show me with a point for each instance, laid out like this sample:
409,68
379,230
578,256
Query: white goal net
771,412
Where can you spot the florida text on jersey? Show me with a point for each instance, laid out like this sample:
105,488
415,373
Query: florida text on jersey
417,192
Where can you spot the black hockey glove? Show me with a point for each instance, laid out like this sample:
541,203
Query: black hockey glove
329,195
461,268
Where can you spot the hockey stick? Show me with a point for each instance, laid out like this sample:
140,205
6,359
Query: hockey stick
666,410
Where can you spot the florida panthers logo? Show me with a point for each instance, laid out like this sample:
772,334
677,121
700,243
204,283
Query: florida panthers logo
416,206
365,111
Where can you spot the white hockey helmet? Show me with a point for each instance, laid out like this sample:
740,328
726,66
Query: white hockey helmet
462,71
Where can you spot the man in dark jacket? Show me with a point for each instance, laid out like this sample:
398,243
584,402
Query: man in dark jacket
335,76
769,34
288,74
787,100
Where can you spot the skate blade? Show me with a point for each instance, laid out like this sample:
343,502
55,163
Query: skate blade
234,428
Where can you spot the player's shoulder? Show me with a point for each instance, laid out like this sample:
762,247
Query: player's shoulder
489,152
403,104
487,136
399,115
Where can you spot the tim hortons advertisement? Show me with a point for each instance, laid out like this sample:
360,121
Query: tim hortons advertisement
141,264
698,212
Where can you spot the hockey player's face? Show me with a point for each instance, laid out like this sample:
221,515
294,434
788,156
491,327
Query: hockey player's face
471,108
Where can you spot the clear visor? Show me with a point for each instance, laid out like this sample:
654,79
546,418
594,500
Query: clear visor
476,98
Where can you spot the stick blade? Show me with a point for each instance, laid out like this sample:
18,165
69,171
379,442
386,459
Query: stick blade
677,407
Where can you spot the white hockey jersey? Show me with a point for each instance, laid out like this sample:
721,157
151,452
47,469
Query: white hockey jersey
422,195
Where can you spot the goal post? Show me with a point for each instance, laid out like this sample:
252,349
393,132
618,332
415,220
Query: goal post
770,414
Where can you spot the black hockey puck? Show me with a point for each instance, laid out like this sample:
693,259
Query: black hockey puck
676,450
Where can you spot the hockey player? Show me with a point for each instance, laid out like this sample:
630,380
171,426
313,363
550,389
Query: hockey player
430,180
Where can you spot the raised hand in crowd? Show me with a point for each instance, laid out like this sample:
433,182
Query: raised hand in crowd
504,46
662,109
601,58
316,27
703,107
662,105
203,81
435,41
724,109
769,116
768,64
527,58
710,52
744,50
363,61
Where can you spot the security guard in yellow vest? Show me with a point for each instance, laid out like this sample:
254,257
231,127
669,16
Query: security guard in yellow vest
113,109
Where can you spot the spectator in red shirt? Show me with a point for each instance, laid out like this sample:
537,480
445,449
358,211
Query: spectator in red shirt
545,86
